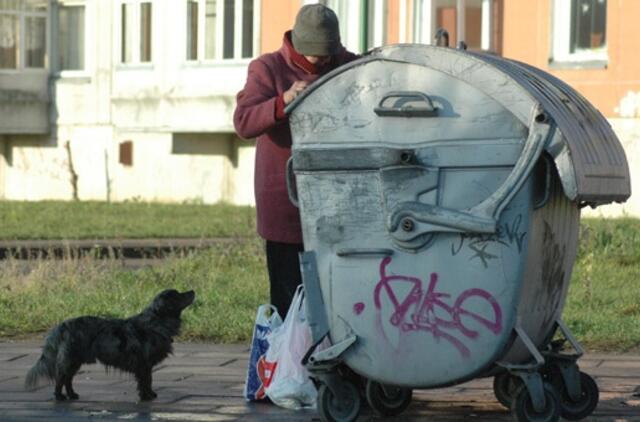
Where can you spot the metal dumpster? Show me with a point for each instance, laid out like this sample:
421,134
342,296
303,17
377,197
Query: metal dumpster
440,194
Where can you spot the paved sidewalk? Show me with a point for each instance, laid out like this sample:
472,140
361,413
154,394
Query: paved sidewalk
203,382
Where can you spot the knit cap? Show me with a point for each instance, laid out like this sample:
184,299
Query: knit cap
316,31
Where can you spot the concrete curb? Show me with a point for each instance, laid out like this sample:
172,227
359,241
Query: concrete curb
108,248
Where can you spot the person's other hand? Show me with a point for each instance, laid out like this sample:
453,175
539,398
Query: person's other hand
296,88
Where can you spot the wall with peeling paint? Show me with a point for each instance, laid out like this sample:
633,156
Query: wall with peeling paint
220,169
628,131
177,115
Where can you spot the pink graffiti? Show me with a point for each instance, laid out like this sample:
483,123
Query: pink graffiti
358,308
417,311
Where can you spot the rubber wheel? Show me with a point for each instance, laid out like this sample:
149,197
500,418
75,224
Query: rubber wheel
505,387
339,409
586,404
388,400
523,410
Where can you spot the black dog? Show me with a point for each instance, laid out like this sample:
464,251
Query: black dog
132,345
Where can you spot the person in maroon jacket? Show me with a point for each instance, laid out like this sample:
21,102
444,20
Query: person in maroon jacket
310,50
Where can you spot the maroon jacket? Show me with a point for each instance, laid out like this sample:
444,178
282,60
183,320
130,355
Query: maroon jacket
260,113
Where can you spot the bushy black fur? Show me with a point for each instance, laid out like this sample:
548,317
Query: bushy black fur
132,345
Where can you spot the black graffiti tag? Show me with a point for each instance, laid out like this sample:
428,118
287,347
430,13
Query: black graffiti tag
507,234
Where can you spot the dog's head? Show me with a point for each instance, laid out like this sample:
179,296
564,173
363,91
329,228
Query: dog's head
171,303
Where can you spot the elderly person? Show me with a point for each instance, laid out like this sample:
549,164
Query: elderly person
310,50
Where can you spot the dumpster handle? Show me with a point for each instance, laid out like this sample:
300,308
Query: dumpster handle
539,130
364,252
291,183
409,221
399,109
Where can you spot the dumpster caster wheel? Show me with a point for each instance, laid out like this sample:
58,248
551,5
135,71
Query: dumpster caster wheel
344,408
586,404
387,400
505,387
523,410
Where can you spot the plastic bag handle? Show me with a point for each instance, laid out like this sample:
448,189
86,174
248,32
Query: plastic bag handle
274,313
296,303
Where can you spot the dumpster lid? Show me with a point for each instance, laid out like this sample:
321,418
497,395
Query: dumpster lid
592,149
589,157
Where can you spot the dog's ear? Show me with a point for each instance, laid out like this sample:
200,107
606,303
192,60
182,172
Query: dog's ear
169,303
162,301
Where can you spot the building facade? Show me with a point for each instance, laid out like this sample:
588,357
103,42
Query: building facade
117,100
133,99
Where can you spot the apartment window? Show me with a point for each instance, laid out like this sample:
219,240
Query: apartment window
135,31
210,21
23,34
579,31
470,21
376,23
220,29
354,20
71,42
363,25
192,30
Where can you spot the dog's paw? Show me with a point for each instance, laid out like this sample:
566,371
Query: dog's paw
73,396
60,397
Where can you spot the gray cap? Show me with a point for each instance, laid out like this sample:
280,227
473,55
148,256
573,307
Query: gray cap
316,31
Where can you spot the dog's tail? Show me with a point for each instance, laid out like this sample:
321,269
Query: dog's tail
45,367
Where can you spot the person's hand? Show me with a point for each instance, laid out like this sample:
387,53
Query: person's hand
296,88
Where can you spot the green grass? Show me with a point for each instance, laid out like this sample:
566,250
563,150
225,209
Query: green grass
230,281
603,306
102,220
602,310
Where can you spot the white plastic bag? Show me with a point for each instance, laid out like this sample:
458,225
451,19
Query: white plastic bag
290,385
258,371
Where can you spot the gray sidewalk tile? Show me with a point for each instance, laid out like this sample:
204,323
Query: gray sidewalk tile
204,382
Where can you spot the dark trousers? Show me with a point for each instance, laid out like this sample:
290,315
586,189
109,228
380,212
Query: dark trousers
283,264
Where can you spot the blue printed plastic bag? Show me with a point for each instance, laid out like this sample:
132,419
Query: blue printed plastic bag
259,372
